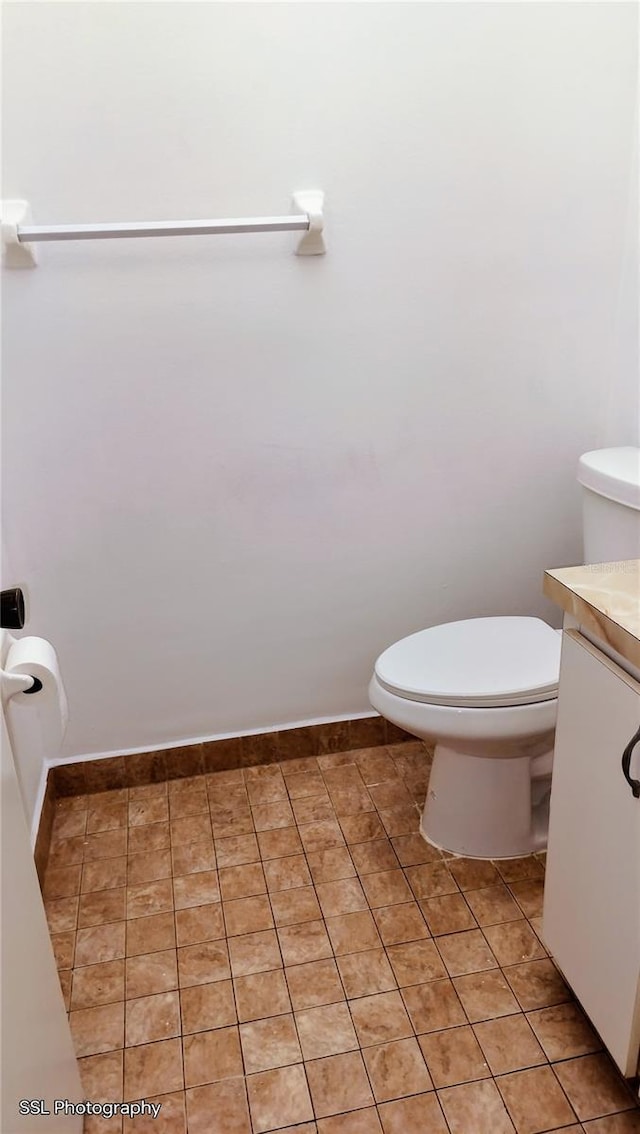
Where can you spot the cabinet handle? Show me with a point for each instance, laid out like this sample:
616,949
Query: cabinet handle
626,764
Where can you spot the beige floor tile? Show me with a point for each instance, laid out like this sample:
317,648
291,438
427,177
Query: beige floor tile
65,977
68,852
475,1107
593,1086
68,824
152,1018
207,1006
447,914
242,881
473,873
331,865
151,809
390,794
431,880
535,1100
247,915
564,1031
148,866
341,897
433,1006
492,905
397,924
353,933
485,995
314,983
292,907
203,963
147,973
98,984
279,843
375,764
415,1115
338,1083
415,962
287,873
64,949
300,784
364,974
172,1118
237,850
97,1030
537,984
149,898
199,923
326,1030
196,889
465,952
254,953
192,829
272,790
218,1108
354,1122
62,881
628,1122
104,874
361,828
152,1069
413,850
269,1043
269,816
519,869
261,995
194,858
100,943
453,1056
509,1044
514,942
278,1097
313,809
528,895
109,844
191,801
62,914
374,857
387,888
380,1018
321,835
396,1069
102,1076
150,934
102,907
211,1056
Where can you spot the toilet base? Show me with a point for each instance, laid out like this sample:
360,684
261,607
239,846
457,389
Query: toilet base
486,807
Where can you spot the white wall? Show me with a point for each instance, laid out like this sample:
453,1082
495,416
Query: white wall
233,476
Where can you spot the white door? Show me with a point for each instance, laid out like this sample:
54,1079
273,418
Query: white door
38,1060
591,921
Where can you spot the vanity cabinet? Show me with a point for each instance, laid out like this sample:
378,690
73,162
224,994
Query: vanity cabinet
591,920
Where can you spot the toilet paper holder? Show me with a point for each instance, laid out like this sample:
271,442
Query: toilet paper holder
12,617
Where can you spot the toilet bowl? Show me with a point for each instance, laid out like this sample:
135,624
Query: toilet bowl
484,690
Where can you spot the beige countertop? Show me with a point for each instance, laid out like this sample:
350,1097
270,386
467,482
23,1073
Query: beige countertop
605,599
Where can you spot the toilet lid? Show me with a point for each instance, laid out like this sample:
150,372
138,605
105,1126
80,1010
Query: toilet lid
479,662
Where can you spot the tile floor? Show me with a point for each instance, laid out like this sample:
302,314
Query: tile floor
277,948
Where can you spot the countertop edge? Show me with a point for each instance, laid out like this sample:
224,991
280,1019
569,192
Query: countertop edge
594,620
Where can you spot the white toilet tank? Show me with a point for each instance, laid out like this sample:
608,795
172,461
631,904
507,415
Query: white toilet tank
611,504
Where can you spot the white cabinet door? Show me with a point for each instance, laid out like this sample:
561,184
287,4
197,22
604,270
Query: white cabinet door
591,920
38,1060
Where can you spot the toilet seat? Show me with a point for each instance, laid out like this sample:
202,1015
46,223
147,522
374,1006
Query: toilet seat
475,663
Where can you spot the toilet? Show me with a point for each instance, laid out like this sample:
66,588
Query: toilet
484,690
